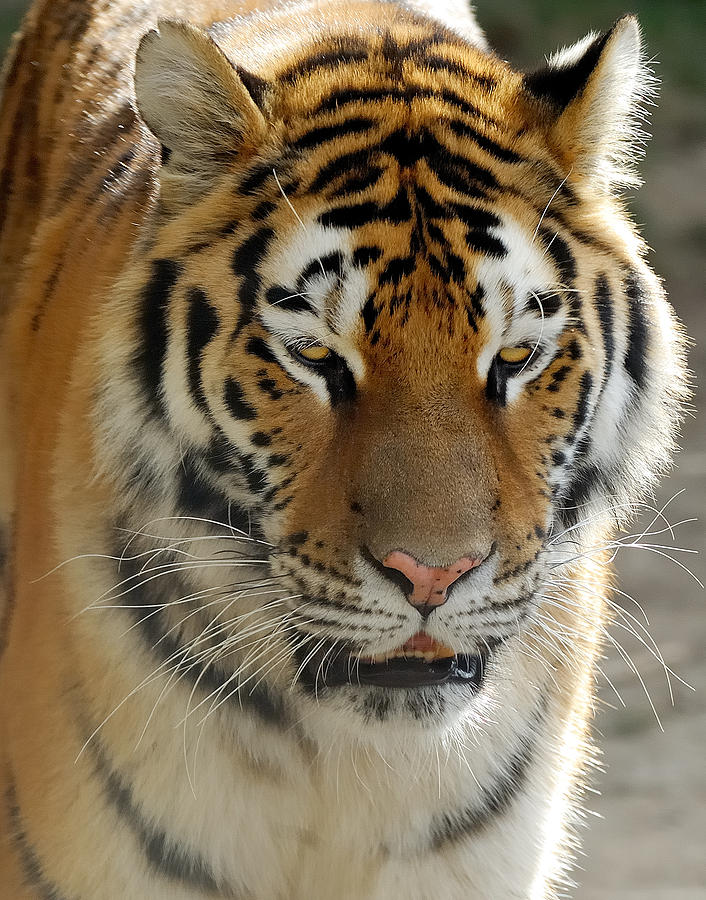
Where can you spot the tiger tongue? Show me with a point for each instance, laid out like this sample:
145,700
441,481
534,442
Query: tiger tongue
425,643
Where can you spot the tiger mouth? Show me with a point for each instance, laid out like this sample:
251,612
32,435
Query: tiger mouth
420,662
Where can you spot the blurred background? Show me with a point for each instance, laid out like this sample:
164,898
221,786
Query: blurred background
646,838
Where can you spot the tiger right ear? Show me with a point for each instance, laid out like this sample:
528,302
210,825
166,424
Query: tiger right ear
194,101
592,93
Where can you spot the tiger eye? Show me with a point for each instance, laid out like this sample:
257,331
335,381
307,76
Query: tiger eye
315,353
515,355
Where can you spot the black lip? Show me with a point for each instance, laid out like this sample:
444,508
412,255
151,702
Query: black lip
399,672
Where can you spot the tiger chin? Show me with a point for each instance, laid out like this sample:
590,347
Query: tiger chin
331,363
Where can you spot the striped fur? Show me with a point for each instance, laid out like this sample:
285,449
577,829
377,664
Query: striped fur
192,514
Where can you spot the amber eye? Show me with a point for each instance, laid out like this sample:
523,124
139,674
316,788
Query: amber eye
515,356
316,353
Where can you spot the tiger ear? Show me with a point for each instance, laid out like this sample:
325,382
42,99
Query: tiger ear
200,108
593,91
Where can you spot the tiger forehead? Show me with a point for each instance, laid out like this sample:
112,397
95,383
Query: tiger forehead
386,44
403,72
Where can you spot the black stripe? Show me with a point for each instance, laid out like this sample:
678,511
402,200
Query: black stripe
339,166
603,300
586,484
257,346
582,411
288,298
31,865
165,856
462,129
330,264
406,95
461,175
496,798
325,133
635,360
397,269
549,305
476,218
358,181
164,646
246,259
475,310
396,211
255,178
150,355
561,255
480,242
201,329
351,216
346,51
444,64
369,313
364,256
233,398
196,495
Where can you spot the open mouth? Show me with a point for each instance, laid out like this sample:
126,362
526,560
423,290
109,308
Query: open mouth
420,662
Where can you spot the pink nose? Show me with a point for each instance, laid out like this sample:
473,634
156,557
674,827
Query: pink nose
430,583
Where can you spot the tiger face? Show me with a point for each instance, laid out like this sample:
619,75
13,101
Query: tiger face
393,316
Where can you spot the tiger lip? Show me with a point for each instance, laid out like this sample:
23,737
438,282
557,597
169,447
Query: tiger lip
421,661
420,646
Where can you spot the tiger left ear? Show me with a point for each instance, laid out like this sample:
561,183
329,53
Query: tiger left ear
200,107
593,92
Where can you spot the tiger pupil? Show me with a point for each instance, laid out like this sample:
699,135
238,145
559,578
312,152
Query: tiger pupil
316,353
514,355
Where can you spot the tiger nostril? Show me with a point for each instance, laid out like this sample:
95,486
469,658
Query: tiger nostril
425,587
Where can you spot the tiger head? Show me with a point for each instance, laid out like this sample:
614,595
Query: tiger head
392,313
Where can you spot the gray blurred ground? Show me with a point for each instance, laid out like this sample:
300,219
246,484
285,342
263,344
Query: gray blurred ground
650,843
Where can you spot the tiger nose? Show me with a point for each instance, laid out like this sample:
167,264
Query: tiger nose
429,584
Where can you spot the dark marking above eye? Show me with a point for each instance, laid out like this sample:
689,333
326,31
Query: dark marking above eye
397,269
544,304
481,242
330,264
363,256
286,298
561,255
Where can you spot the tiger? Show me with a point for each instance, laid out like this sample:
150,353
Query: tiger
332,363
